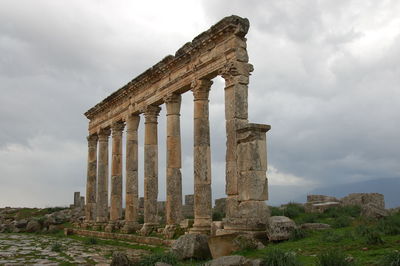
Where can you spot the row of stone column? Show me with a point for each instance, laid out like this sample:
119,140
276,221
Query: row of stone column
97,175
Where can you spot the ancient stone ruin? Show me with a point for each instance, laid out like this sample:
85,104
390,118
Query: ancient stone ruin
219,51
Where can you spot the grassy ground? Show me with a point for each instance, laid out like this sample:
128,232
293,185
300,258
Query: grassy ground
363,241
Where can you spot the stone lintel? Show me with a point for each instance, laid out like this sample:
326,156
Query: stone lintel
254,127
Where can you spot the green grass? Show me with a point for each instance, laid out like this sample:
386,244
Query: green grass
368,241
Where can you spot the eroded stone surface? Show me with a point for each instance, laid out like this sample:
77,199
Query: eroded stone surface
22,249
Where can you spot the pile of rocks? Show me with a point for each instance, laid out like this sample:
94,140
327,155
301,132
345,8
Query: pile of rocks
10,220
372,204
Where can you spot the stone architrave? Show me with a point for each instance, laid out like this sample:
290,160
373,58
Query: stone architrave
202,158
102,178
174,177
116,174
132,180
151,113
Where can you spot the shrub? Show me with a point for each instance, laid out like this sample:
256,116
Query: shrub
350,211
278,257
331,236
152,259
390,225
298,234
217,216
334,257
309,218
342,221
372,237
276,211
56,247
91,241
292,210
391,259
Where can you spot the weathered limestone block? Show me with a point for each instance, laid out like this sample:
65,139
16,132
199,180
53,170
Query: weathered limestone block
320,198
252,162
363,199
189,199
191,246
91,186
280,228
116,172
374,211
320,207
315,226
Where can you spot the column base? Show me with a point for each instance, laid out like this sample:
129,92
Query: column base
202,230
130,227
99,226
170,231
110,227
148,228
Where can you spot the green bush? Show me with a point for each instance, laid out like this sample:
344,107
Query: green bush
331,236
91,241
217,216
278,257
56,247
391,259
276,211
298,234
350,211
372,237
292,210
390,225
152,259
342,221
333,257
308,218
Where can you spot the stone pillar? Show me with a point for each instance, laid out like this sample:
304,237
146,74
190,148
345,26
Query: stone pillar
90,210
202,158
174,176
102,179
251,213
150,169
236,74
77,199
132,180
116,175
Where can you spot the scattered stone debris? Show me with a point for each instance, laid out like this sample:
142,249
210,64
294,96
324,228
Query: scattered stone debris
280,228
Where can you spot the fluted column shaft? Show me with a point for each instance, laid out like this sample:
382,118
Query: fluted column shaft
116,172
174,176
90,210
151,164
102,178
132,184
202,158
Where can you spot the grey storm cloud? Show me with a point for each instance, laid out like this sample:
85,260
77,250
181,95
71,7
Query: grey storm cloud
326,79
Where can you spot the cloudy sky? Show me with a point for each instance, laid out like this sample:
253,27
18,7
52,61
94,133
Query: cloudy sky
326,79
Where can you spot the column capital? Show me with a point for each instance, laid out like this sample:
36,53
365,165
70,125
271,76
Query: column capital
173,103
201,88
92,139
103,134
132,122
236,71
117,128
151,112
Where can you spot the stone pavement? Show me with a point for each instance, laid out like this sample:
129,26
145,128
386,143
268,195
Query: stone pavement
22,249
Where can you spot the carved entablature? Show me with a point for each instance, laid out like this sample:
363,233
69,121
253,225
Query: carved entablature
223,46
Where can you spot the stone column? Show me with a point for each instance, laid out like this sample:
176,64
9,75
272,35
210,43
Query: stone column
174,176
150,169
132,184
236,74
202,158
90,210
102,179
116,175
